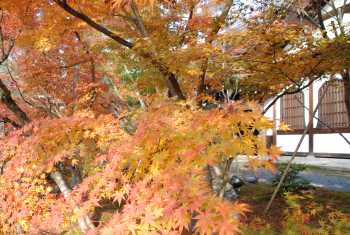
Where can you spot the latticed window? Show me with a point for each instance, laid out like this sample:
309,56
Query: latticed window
333,112
292,110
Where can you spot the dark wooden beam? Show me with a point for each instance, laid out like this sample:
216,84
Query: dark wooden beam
311,108
299,154
333,155
321,155
316,131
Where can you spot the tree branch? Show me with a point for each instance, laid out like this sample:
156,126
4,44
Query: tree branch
64,5
138,19
172,83
187,27
8,120
218,25
286,92
317,7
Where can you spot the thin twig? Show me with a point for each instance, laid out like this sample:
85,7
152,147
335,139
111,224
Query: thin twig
24,99
18,89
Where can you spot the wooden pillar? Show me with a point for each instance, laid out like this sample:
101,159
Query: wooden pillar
311,110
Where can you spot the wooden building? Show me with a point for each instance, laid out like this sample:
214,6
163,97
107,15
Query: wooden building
329,132
329,129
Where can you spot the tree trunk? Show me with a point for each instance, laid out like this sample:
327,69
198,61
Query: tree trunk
171,80
174,87
84,222
7,99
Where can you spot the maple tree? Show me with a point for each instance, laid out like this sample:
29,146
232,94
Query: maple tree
102,98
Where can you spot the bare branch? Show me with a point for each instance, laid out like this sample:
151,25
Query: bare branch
74,64
2,36
338,16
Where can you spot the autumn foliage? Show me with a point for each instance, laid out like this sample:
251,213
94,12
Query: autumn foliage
103,100
156,178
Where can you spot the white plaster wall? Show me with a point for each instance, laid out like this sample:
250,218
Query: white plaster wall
306,104
317,85
331,143
278,113
288,143
269,115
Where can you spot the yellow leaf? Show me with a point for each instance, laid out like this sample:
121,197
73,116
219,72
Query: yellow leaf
75,162
284,127
43,44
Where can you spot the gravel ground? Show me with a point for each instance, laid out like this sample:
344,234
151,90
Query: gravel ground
333,174
329,163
